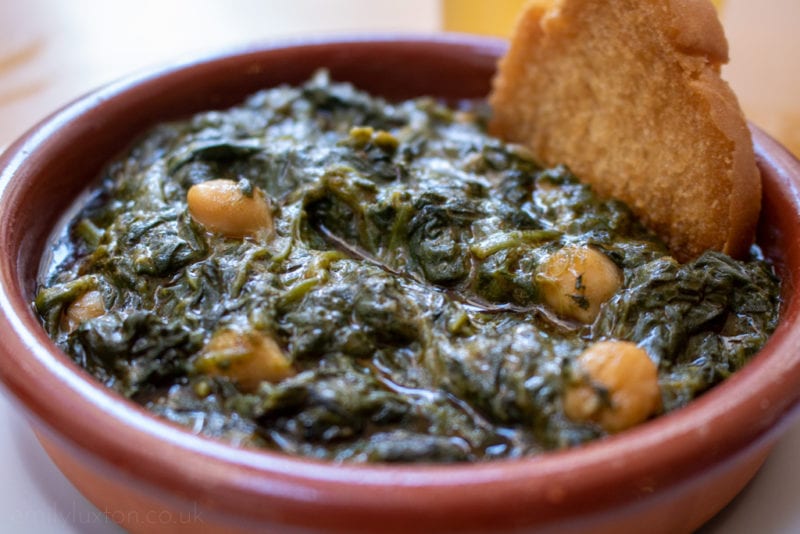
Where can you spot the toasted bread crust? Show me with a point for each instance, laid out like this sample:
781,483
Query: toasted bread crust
628,94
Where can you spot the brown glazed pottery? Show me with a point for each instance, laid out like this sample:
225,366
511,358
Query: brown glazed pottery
668,475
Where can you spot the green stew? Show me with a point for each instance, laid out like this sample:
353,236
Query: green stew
321,272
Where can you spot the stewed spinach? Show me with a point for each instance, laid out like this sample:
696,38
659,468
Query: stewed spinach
394,284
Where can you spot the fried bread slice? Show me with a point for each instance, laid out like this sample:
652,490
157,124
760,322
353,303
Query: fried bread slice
628,94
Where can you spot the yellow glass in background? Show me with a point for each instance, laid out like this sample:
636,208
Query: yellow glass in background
485,17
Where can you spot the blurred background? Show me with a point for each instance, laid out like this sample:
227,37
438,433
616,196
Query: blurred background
52,51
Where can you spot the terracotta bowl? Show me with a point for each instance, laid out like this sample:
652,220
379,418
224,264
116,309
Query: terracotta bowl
668,475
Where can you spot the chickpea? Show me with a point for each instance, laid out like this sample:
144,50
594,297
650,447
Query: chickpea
575,281
385,141
247,358
87,306
223,208
619,387
361,135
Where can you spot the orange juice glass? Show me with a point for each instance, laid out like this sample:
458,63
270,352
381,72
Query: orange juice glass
487,17
495,17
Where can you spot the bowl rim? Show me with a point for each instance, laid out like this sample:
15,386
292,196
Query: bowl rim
33,369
